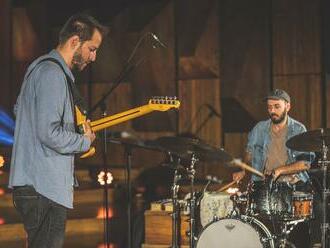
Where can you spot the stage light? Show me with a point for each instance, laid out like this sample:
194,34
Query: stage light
105,246
6,120
101,213
2,162
102,178
6,138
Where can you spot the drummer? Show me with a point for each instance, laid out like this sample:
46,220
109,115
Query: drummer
266,149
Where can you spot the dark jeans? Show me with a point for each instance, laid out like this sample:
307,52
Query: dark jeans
44,220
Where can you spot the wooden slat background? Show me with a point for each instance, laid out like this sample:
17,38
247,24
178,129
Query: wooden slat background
215,49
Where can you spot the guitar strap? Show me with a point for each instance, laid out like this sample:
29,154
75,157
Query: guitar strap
76,98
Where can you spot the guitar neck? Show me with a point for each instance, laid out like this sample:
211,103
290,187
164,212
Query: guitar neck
120,117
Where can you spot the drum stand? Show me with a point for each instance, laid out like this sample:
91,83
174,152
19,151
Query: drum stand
325,193
176,210
287,228
192,202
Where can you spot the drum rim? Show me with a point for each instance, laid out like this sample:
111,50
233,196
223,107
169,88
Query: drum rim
246,219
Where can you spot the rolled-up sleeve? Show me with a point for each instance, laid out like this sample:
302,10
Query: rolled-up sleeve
51,102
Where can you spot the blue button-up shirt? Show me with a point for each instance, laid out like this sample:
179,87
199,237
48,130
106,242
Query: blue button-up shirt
45,139
259,139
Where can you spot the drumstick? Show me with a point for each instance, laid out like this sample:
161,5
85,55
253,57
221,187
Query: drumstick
226,186
243,165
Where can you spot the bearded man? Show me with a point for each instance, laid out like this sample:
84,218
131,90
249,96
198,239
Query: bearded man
42,164
266,151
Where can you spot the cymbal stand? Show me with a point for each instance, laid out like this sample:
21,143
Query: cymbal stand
192,203
325,194
176,210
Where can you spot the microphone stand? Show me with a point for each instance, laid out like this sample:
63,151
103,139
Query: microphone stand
199,128
105,192
212,113
128,68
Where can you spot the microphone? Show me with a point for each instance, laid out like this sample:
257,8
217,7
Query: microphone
158,41
213,111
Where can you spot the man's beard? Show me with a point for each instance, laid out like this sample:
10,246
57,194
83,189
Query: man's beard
78,61
280,119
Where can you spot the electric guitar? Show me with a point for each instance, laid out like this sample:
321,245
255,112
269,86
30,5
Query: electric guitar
162,103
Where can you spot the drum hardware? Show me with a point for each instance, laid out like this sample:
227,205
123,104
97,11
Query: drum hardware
192,201
317,141
176,210
192,150
236,210
287,227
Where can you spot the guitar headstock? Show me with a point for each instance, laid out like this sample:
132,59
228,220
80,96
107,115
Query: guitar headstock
163,103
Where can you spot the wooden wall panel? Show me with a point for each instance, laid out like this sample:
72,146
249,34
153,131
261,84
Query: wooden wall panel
198,39
245,53
156,76
296,37
195,95
306,98
235,144
5,58
297,58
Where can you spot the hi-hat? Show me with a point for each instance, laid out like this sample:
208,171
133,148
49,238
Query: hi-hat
184,147
310,141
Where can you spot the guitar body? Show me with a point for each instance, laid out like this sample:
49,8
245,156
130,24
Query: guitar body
154,104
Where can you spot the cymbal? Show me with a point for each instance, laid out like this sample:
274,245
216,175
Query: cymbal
184,147
239,163
310,141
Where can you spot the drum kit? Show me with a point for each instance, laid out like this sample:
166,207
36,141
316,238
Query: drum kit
223,224
242,219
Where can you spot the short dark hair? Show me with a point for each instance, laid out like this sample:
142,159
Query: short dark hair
82,25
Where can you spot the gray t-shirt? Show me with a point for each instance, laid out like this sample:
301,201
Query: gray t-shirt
277,153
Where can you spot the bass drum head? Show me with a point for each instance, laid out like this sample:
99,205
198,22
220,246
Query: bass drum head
235,233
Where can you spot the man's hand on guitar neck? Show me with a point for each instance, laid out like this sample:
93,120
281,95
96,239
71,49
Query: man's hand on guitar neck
88,132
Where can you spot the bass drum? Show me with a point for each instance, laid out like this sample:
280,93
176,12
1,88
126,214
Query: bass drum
240,232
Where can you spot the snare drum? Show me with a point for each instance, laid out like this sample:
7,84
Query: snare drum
242,232
302,203
215,205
